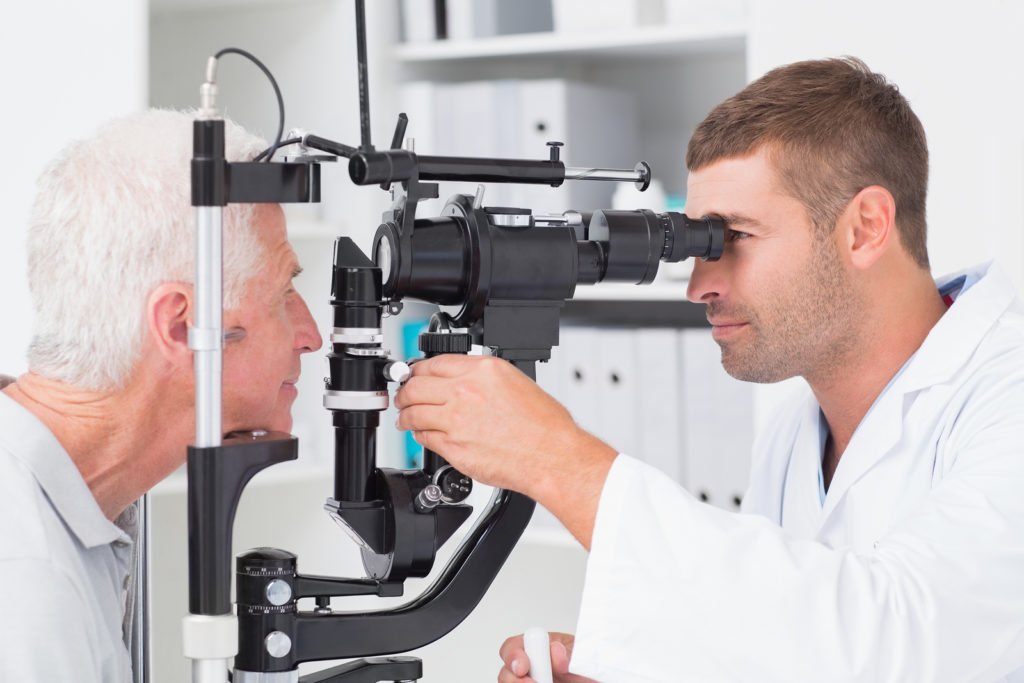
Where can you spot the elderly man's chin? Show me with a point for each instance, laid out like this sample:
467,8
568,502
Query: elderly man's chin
278,420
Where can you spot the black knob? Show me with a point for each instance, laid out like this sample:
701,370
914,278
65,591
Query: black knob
436,343
554,151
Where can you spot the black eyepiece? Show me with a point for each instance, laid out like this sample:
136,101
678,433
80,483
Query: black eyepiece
702,237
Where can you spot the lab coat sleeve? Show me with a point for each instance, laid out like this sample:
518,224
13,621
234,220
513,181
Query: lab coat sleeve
677,590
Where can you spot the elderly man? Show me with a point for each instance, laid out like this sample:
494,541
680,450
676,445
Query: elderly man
106,408
887,536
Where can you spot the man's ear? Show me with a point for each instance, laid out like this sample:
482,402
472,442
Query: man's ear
871,225
168,314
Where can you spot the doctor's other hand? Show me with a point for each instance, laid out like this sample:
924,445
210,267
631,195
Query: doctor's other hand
517,664
494,424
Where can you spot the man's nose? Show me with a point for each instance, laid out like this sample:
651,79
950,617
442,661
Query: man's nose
307,338
707,282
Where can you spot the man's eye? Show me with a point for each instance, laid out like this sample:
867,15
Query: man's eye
734,235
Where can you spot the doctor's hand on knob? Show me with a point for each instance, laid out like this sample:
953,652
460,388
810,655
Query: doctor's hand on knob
517,665
494,424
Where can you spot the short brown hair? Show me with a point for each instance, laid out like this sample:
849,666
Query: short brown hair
832,128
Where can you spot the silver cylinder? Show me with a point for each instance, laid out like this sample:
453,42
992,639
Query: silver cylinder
210,670
575,173
140,636
206,339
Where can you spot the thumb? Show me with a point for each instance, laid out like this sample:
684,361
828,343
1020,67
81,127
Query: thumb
559,658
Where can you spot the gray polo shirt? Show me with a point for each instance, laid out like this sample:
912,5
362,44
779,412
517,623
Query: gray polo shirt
64,567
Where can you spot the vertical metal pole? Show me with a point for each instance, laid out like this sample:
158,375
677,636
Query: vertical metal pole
140,638
210,640
208,333
364,81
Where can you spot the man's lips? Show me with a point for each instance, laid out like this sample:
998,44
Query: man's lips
724,328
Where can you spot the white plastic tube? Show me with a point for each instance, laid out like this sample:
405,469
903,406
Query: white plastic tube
538,649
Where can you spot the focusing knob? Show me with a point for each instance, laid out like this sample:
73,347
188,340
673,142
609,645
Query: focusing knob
436,343
455,486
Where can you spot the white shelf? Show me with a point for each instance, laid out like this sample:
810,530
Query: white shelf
618,291
654,41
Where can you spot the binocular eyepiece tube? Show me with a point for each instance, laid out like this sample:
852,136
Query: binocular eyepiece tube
468,254
636,241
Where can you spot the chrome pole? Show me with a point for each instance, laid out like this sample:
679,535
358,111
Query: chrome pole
210,641
206,338
141,614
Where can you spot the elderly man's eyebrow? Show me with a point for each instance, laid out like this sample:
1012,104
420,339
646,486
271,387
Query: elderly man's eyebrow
296,270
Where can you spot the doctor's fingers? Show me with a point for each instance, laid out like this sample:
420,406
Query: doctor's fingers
452,365
423,390
423,417
513,656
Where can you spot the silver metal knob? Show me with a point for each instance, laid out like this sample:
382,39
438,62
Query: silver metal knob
397,371
429,498
278,644
278,592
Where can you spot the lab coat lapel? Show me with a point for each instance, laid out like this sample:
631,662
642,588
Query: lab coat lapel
942,354
874,438
771,476
801,505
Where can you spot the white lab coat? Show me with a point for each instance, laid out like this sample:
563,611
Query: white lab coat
912,570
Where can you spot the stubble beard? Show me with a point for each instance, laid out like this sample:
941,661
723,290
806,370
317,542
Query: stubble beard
808,331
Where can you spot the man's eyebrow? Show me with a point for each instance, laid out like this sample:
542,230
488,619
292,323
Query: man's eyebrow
739,220
296,270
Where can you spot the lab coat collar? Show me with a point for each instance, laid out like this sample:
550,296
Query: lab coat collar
960,330
944,352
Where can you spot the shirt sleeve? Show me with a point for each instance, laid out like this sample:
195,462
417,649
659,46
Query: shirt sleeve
677,590
45,634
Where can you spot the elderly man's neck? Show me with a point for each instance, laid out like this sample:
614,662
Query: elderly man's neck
123,442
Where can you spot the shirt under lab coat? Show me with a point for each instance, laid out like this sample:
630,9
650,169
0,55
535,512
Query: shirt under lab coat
911,570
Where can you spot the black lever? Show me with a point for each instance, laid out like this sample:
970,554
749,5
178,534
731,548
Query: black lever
396,141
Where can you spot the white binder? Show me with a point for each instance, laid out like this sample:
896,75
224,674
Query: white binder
719,422
660,418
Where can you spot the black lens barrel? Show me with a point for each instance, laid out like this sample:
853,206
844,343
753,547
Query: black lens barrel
702,237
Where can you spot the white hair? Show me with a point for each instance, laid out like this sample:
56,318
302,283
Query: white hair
112,220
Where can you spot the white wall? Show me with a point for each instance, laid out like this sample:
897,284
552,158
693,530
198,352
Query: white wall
67,66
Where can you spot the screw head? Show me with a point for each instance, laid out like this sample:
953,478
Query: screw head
278,592
278,644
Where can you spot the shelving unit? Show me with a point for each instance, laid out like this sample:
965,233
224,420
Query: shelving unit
646,41
674,75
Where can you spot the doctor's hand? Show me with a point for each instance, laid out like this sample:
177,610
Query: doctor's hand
494,424
517,664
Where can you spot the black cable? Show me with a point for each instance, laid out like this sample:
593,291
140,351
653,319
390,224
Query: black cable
269,151
283,143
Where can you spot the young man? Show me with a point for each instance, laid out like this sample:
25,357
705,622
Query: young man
884,534
106,409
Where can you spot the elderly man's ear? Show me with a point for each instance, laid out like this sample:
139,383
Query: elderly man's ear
169,310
